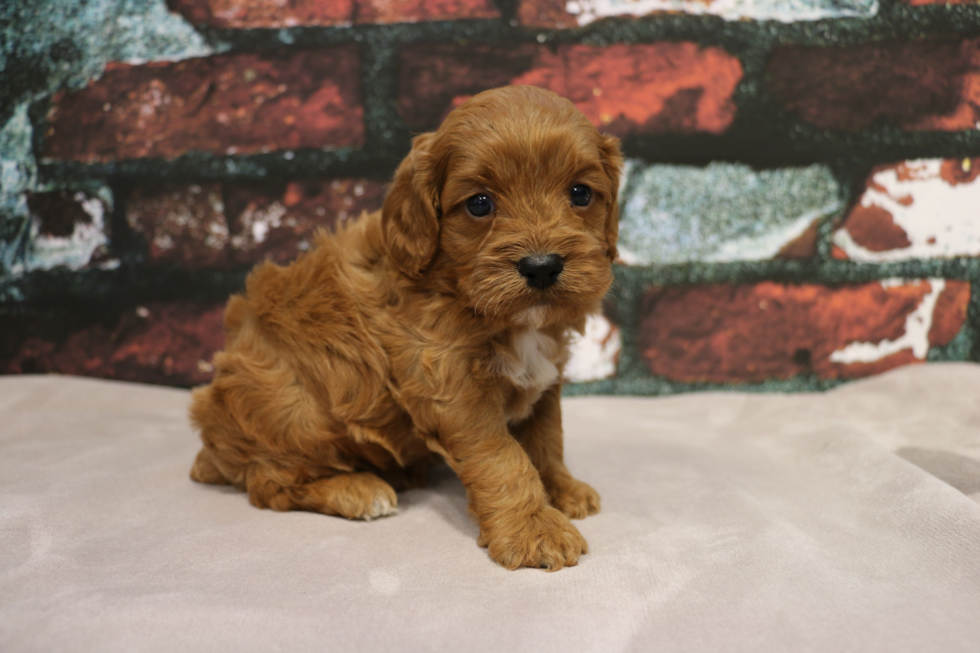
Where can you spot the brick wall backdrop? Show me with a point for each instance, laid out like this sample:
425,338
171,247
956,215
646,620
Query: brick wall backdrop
801,205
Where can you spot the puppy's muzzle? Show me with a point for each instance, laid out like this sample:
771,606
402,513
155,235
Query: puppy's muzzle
541,271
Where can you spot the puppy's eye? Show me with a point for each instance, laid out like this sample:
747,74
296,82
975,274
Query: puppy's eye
580,195
479,206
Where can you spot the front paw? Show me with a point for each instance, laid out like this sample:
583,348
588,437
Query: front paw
546,540
574,498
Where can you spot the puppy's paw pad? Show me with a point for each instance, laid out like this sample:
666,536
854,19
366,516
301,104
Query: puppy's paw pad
575,498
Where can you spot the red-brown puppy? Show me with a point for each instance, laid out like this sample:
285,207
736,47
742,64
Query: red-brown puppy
437,327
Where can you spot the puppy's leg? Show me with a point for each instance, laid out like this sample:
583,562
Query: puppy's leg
360,495
518,525
541,437
354,495
206,471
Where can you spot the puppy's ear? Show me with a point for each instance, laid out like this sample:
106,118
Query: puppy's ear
410,216
612,162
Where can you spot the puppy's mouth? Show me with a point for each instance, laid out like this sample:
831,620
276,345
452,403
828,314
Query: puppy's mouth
534,300
515,285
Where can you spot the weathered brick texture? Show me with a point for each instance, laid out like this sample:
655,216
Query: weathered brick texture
594,353
927,208
545,13
278,222
70,228
921,3
803,246
776,331
310,13
60,212
181,224
224,225
167,343
743,152
644,89
575,13
914,85
233,104
264,13
722,212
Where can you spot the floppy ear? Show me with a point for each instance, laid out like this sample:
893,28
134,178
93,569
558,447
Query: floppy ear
410,216
612,162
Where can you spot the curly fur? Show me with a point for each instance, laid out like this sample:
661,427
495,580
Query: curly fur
410,336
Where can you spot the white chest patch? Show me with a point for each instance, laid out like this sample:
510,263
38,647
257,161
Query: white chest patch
533,365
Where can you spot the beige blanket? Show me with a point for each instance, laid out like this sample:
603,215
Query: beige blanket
847,521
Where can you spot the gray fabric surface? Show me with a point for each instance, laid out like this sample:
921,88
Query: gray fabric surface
846,521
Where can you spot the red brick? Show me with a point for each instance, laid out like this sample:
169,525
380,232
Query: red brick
959,171
265,13
874,228
310,13
770,330
432,75
545,13
278,222
232,104
412,11
166,343
181,224
915,85
912,210
214,225
950,314
644,89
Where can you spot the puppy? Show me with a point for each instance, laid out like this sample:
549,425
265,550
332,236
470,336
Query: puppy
434,329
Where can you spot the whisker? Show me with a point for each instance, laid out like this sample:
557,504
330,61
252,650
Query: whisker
496,307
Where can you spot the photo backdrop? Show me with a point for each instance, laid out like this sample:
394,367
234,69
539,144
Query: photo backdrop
800,206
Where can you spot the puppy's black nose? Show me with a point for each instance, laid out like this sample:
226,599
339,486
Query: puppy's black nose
541,271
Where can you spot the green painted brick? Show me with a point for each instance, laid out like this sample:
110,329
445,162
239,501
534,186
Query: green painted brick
18,173
51,45
719,213
65,43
